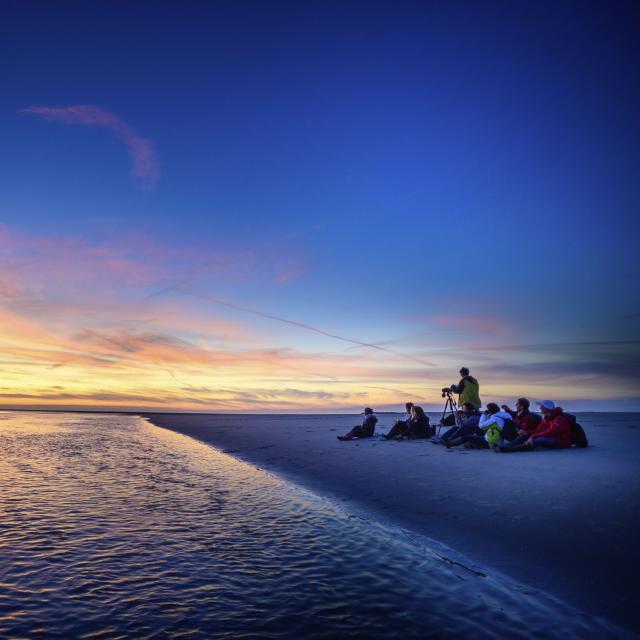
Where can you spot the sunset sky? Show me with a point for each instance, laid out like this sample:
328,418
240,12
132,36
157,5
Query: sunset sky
318,206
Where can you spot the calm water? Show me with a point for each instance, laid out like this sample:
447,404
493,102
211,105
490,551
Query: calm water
113,528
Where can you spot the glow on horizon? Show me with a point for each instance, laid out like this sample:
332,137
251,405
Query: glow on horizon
95,325
331,207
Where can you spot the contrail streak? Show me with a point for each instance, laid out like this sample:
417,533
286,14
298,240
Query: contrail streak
303,325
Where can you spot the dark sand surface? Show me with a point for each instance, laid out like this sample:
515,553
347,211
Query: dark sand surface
567,522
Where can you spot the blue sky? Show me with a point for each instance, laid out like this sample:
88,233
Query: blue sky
450,180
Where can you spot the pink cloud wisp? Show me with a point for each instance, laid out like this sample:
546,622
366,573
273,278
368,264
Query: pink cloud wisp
145,163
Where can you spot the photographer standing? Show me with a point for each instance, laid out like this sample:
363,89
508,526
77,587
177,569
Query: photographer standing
468,389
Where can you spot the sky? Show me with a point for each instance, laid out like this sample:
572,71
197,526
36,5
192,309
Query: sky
318,206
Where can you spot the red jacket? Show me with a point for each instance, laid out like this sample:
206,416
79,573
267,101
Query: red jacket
528,421
555,425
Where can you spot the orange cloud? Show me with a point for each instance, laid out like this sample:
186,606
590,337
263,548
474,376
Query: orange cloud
98,325
83,314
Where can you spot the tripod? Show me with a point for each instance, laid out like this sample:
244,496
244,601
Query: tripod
449,412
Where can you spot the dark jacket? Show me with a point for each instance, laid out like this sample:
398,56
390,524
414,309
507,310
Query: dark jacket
418,428
369,424
468,422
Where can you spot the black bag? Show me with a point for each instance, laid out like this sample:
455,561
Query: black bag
449,421
509,430
578,436
431,430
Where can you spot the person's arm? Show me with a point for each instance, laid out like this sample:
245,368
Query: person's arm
457,388
512,413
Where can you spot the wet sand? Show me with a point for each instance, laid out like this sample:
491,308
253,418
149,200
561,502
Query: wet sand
564,521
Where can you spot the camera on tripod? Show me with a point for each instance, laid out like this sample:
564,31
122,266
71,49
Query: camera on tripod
450,408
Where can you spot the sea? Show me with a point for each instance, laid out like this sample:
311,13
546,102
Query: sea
111,527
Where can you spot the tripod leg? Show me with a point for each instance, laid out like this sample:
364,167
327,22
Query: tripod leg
449,407
444,412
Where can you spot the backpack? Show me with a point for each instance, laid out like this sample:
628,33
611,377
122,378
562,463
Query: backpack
509,430
431,430
578,436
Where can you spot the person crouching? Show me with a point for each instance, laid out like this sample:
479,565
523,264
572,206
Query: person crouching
364,430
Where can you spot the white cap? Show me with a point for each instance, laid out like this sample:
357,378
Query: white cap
547,404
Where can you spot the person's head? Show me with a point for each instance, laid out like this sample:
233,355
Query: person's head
368,411
492,408
522,404
416,411
409,406
464,371
546,406
467,407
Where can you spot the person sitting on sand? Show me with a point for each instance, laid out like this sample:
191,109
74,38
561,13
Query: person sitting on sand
364,430
468,389
491,424
416,427
466,424
553,432
525,421
401,425
419,426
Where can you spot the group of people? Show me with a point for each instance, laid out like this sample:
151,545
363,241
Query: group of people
500,429
505,430
415,425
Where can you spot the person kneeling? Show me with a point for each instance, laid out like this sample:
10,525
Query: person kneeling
364,430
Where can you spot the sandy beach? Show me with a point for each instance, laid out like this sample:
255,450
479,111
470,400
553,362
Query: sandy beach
562,521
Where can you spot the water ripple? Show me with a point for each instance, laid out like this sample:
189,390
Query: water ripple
113,528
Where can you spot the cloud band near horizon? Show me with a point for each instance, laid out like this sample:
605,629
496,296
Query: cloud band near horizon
84,321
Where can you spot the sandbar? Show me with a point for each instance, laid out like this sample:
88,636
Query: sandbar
567,522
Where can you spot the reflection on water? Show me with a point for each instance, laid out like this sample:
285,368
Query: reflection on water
113,528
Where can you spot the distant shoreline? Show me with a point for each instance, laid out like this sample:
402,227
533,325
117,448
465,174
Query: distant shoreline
137,412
